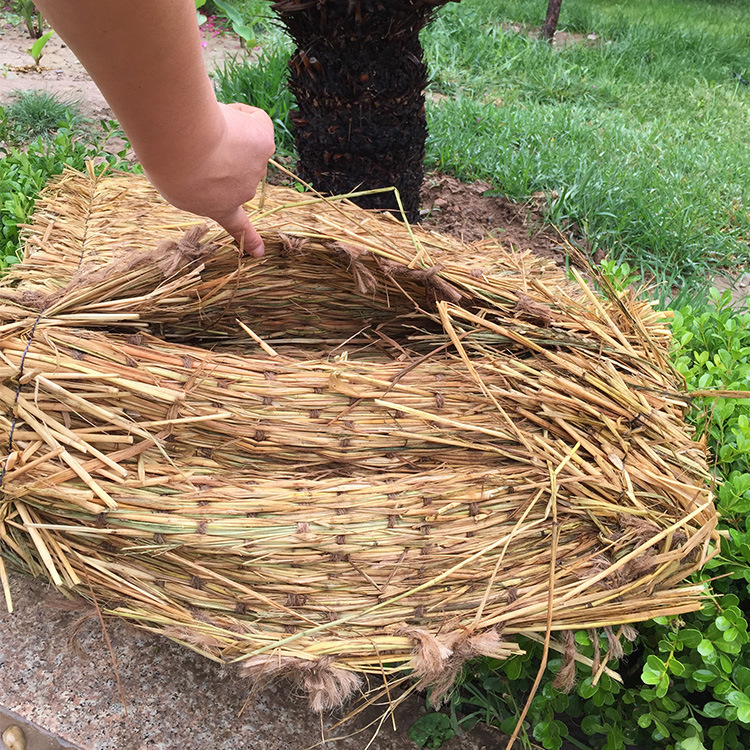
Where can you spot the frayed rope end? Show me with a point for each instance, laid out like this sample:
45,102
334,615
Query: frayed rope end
327,687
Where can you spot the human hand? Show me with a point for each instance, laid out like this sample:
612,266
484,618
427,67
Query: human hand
224,173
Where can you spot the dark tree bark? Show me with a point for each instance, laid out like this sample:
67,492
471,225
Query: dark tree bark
359,76
550,23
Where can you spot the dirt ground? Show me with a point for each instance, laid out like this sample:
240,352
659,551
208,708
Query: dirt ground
63,75
472,211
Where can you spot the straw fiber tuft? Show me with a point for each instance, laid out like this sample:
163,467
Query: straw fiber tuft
374,448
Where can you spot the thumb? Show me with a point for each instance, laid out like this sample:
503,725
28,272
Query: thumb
239,226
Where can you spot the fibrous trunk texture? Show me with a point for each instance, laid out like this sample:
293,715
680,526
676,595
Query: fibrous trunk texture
358,75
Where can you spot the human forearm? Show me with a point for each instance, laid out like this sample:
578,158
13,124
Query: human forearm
145,56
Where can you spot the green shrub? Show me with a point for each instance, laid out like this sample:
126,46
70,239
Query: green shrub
713,352
24,172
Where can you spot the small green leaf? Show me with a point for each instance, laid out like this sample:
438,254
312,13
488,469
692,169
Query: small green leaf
742,677
508,725
587,690
655,663
703,675
38,46
513,668
676,667
713,709
725,663
738,699
663,687
589,725
723,687
691,637
649,676
730,634
431,730
245,32
691,743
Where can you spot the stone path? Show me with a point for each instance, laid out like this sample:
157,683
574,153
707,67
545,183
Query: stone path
56,672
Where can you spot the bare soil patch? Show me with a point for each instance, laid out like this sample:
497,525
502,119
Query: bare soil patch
471,212
61,73
737,282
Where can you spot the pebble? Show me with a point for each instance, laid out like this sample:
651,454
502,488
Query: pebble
14,738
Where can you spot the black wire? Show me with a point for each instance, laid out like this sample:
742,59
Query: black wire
18,395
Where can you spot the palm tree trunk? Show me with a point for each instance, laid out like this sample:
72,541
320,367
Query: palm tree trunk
359,77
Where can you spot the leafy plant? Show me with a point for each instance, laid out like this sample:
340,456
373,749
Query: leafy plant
37,49
714,353
620,275
244,32
32,18
431,730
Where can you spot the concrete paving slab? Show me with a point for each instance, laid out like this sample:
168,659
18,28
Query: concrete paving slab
56,672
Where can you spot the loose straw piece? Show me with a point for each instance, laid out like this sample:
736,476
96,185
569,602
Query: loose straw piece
550,603
6,586
270,351
41,547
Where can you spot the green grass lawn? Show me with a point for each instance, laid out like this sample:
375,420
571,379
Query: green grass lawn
644,131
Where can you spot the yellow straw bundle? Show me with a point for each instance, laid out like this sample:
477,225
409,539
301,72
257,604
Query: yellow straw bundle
374,448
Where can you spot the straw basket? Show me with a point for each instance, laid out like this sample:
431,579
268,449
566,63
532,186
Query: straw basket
375,448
